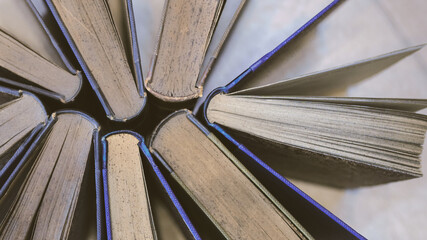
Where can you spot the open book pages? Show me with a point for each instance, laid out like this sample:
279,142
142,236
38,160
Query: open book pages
344,142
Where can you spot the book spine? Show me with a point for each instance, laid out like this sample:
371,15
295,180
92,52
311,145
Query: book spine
105,189
100,214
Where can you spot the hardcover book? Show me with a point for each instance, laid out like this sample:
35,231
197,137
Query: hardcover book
107,52
190,38
47,185
31,58
220,171
338,141
129,197
235,201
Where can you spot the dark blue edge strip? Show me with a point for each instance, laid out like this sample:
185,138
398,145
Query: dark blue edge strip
9,91
252,68
105,186
169,191
98,188
33,89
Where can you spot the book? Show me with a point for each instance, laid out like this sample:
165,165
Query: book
29,59
172,208
235,201
338,141
190,38
22,117
107,51
129,197
343,142
128,210
50,193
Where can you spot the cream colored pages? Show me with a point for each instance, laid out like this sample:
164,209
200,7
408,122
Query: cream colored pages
236,204
18,118
130,212
29,65
331,80
17,19
100,46
181,50
47,201
318,141
405,104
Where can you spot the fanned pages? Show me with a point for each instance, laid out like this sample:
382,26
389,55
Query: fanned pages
56,200
128,202
238,205
338,141
95,40
28,59
192,32
331,80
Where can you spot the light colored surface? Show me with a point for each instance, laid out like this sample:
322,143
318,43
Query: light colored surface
356,30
